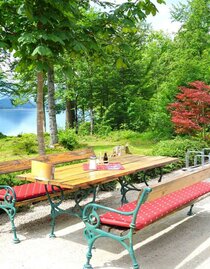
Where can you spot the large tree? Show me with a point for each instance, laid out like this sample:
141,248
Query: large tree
185,60
39,30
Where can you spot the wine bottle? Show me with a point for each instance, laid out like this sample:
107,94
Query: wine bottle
105,158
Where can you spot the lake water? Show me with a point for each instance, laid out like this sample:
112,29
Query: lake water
17,121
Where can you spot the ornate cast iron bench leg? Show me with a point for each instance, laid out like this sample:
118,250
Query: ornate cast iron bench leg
92,233
77,210
190,212
89,252
8,205
129,247
93,229
55,210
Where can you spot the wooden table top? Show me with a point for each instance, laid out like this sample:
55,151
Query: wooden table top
75,177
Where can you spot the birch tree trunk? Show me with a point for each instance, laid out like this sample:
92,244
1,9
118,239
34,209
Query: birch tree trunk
51,107
40,113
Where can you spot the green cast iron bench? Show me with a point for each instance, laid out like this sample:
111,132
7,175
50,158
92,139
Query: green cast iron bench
28,193
153,203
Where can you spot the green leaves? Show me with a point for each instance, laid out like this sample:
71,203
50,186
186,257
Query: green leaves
41,36
120,63
3,45
27,38
78,46
55,38
42,50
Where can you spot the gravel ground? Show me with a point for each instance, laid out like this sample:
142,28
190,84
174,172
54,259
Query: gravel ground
175,242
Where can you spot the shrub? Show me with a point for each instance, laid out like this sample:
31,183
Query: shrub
178,147
10,179
109,186
190,111
68,139
25,144
102,129
84,128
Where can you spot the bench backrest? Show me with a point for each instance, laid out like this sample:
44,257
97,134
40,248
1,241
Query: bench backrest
58,158
179,182
186,179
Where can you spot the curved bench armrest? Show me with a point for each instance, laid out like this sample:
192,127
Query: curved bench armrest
9,195
92,218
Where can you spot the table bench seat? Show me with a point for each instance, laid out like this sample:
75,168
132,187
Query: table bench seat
28,191
156,209
153,203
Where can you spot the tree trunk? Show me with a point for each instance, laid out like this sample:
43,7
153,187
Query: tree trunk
40,113
44,116
51,107
91,99
70,114
68,117
76,116
83,113
91,121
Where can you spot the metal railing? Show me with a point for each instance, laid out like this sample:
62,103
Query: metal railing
200,158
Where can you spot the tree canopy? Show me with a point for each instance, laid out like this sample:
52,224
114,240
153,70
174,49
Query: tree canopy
110,69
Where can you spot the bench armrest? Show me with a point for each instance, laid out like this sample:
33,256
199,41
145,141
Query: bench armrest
92,218
9,197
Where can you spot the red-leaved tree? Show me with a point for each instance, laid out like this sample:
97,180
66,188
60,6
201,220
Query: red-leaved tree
191,112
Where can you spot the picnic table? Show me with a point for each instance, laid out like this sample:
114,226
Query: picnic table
84,182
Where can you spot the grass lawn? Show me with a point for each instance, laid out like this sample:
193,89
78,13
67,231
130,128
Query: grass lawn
137,143
12,147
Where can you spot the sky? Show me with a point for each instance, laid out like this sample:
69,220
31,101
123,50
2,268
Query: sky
162,20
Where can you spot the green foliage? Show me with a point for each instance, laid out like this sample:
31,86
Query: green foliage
84,128
178,148
160,120
102,129
2,135
109,186
10,180
42,50
160,124
68,139
122,135
25,144
182,60
137,115
125,75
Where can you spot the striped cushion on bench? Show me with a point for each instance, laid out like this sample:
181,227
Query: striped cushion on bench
152,211
29,191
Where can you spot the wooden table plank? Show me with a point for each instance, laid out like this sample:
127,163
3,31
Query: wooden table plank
74,176
97,177
55,158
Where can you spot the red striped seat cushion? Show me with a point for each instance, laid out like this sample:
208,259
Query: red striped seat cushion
28,191
151,211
